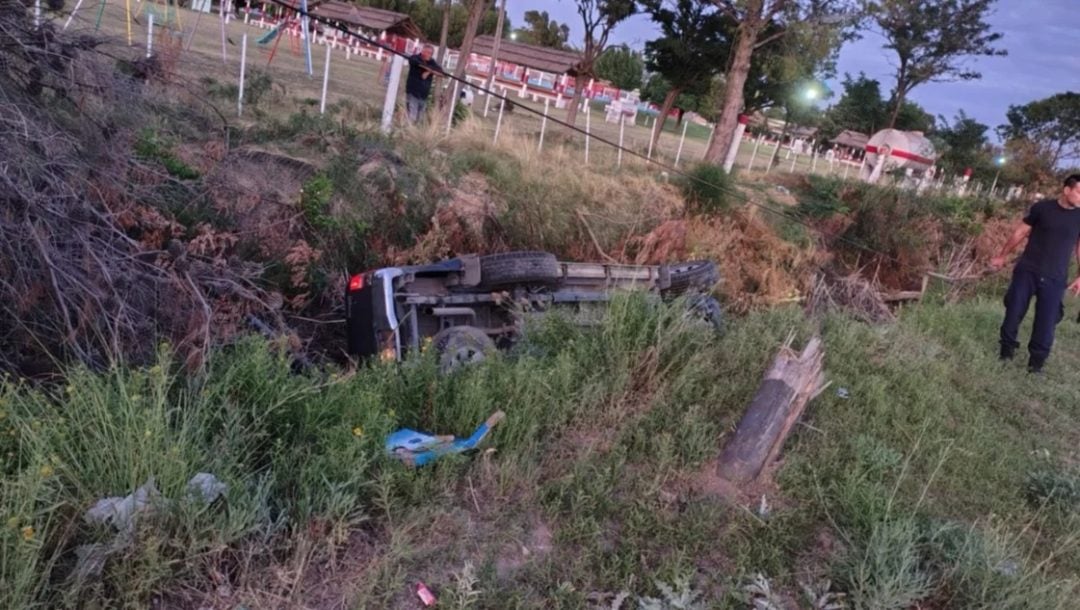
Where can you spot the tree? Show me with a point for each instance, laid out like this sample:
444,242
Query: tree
760,23
541,30
598,17
912,117
476,9
860,108
429,16
1052,124
685,59
932,39
622,67
963,144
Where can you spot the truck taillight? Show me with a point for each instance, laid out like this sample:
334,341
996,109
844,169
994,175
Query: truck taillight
356,282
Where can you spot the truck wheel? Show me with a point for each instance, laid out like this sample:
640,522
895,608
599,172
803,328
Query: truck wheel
694,274
518,268
708,310
460,346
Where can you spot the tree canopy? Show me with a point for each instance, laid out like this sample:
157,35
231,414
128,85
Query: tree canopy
622,67
428,14
932,39
541,30
1052,124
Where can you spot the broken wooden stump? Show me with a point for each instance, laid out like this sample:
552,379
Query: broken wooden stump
790,383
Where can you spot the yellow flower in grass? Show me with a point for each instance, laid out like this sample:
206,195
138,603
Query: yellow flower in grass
358,432
28,533
46,471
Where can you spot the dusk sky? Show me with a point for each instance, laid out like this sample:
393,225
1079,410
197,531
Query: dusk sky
1040,36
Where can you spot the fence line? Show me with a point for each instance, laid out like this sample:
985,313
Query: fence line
368,49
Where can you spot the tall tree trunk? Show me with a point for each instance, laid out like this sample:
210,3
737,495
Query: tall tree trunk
896,110
735,81
476,13
775,160
579,85
443,51
665,109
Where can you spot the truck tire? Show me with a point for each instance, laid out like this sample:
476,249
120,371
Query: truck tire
701,275
460,346
518,268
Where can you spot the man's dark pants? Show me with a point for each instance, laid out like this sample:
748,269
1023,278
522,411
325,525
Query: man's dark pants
1049,293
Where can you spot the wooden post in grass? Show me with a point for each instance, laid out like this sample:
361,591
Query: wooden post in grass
243,67
790,383
543,125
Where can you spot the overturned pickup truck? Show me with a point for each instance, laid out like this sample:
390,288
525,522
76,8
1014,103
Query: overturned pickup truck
470,305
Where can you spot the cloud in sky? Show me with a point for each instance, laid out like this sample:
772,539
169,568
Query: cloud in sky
1043,59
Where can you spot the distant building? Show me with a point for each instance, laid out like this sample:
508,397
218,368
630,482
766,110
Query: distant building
530,70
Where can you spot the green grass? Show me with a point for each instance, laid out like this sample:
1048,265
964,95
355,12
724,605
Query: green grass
922,477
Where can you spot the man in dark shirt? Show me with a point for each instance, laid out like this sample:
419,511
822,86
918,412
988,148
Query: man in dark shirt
1052,230
422,71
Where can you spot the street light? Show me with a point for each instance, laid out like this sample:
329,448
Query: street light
1000,162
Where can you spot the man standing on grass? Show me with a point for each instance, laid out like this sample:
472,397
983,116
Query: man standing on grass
1052,230
422,71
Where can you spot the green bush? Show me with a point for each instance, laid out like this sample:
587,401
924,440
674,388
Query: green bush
151,147
708,189
822,197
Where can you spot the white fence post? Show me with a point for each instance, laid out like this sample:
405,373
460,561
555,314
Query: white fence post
753,155
150,35
587,130
325,81
543,125
682,139
453,106
221,15
652,136
622,129
72,15
498,122
396,62
243,66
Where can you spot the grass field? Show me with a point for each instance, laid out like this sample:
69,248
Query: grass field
356,80
938,476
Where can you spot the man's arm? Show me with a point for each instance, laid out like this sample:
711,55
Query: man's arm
1019,235
432,67
1075,286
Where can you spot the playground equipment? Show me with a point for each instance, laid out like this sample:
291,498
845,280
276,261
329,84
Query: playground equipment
891,149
